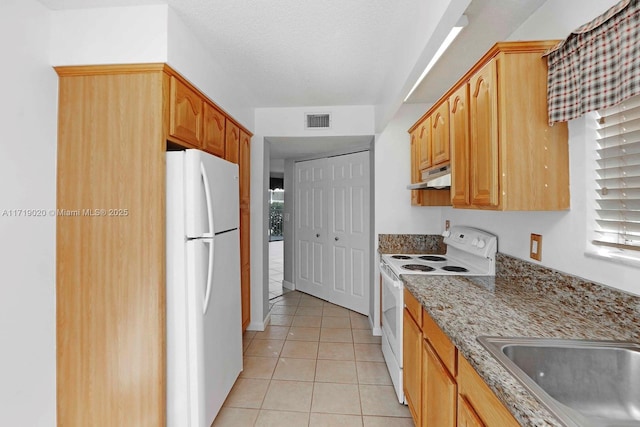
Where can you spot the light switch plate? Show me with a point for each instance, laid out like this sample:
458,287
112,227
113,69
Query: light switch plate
535,247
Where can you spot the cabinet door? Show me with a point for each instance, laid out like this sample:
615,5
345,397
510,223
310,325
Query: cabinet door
213,130
467,417
440,392
232,142
415,167
440,135
484,137
412,365
245,241
424,143
186,113
480,400
459,138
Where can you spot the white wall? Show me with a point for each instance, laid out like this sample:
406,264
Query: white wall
27,244
146,34
436,19
564,233
345,121
113,35
187,55
394,213
259,232
287,122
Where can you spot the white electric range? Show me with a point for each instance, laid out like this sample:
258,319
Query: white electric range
470,252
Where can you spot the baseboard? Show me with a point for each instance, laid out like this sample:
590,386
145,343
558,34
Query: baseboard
260,326
288,285
375,330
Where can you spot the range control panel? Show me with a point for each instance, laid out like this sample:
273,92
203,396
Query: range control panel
472,240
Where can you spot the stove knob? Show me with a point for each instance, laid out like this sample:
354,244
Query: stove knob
481,244
474,242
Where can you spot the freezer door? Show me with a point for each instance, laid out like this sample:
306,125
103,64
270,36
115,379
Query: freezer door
211,194
218,329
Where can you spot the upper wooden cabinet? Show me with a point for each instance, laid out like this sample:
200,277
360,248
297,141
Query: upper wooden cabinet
232,143
440,135
484,137
185,113
214,130
506,156
424,142
459,137
423,197
415,167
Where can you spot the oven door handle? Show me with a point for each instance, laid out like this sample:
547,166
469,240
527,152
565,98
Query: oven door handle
397,283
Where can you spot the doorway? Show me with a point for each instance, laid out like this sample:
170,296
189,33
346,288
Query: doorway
276,237
332,229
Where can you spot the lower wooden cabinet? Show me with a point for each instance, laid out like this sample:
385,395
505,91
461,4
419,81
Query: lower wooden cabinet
478,396
441,388
467,416
412,365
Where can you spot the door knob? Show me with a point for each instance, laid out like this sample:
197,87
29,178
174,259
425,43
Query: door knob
336,239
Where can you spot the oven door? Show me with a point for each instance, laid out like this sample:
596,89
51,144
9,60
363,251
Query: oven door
392,306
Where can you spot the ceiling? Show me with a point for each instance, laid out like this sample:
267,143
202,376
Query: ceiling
294,53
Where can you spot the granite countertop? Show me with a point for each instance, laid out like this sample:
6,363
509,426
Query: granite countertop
536,303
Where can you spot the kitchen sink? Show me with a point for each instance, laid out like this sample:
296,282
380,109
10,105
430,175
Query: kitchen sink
583,383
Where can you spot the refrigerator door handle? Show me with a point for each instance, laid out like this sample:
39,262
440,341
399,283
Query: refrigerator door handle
207,292
207,194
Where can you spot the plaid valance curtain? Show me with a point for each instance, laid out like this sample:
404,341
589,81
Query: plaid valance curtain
597,66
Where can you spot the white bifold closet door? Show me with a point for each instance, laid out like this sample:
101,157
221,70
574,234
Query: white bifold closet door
332,239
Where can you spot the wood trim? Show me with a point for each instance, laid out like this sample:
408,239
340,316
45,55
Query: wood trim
93,70
110,267
96,70
505,47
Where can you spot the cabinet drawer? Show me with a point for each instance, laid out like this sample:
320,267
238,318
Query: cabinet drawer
440,342
413,307
487,407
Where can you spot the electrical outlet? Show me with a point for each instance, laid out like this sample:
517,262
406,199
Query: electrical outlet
535,247
447,225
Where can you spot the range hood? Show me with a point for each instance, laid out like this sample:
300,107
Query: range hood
438,178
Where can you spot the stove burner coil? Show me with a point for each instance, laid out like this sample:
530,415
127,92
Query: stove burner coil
455,268
401,257
432,258
417,267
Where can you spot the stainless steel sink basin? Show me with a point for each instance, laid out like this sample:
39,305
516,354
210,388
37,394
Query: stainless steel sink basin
584,383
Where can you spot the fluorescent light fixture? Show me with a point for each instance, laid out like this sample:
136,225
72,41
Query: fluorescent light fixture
462,22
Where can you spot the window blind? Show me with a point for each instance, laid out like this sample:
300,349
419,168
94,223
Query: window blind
618,182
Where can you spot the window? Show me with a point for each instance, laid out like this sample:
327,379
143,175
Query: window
617,218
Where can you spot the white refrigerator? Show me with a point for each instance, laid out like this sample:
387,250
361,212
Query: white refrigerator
204,323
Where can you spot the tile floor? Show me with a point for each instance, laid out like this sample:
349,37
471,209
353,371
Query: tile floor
316,365
276,268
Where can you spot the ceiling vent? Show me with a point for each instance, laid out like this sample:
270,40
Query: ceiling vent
317,121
